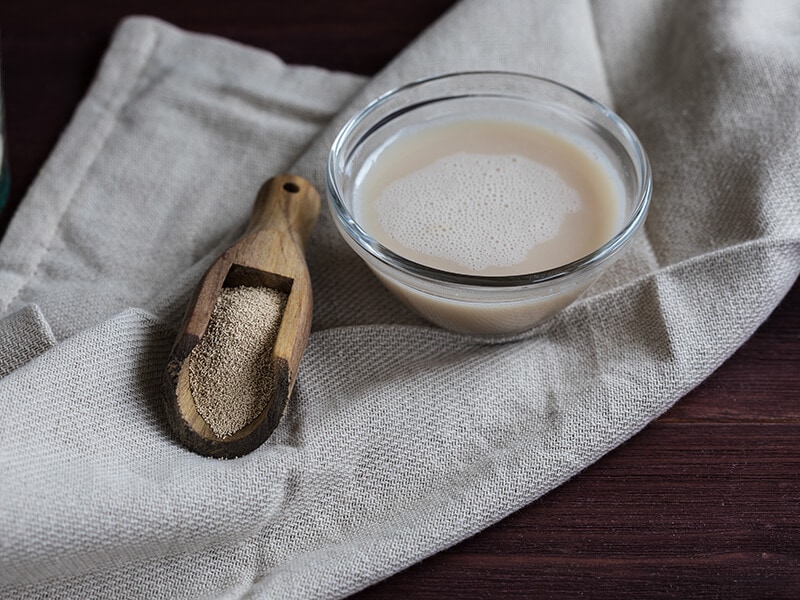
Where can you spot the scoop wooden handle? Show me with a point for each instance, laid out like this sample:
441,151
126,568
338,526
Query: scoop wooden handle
286,203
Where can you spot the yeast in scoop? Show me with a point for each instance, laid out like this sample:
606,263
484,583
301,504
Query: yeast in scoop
487,196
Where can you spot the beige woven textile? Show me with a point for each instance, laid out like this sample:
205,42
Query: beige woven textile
402,439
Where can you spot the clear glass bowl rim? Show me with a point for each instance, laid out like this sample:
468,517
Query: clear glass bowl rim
551,276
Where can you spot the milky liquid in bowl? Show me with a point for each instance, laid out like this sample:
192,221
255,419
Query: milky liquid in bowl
487,201
487,196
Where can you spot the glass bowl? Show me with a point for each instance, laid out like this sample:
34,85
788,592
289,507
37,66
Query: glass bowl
472,303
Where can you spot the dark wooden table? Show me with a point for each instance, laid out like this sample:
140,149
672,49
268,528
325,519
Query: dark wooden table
702,504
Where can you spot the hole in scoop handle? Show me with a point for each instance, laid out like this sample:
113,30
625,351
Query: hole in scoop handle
286,203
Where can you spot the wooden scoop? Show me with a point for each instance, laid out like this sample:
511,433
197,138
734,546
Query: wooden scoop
269,254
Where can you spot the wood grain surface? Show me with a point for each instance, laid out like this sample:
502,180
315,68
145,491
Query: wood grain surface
701,504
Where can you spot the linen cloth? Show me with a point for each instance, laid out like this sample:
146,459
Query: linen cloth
402,439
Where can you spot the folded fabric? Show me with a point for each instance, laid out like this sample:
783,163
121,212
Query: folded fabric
402,439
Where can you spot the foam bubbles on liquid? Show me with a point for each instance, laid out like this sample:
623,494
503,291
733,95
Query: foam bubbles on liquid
477,210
